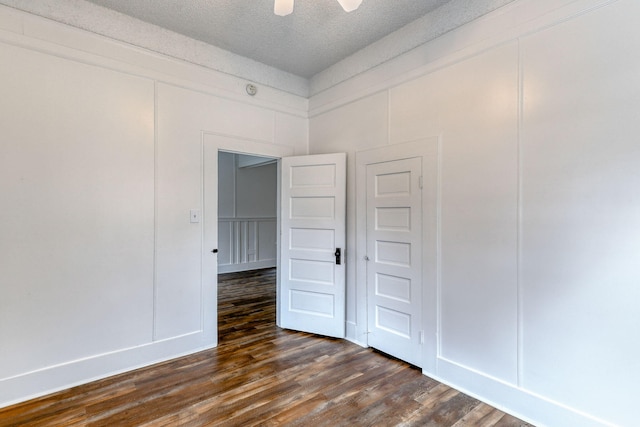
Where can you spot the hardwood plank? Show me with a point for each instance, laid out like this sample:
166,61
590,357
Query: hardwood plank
260,375
477,417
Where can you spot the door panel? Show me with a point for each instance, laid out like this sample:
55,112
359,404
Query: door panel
312,284
394,248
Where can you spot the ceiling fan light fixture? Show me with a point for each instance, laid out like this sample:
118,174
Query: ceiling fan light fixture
350,5
283,7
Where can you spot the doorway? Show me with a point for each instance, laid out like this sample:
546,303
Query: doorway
247,240
212,146
247,212
313,199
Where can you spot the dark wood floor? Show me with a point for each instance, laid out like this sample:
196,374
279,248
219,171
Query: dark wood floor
261,375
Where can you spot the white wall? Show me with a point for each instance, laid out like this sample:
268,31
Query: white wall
226,183
580,176
101,161
256,191
536,108
246,213
77,217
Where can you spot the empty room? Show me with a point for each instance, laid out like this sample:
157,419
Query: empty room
330,212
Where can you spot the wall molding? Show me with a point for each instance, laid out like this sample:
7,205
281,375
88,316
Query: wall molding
104,22
64,41
76,372
510,398
503,25
241,245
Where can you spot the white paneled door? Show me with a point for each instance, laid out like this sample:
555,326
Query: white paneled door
312,243
394,249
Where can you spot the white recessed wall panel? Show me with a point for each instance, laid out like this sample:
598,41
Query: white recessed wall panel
358,125
256,192
267,240
227,240
221,115
182,116
473,106
10,20
292,131
179,186
76,252
581,212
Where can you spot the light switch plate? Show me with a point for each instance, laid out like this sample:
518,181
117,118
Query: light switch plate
194,215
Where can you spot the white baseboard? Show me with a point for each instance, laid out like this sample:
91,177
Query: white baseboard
523,404
246,266
51,379
352,335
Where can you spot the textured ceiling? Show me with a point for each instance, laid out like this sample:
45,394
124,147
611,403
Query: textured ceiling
315,48
314,37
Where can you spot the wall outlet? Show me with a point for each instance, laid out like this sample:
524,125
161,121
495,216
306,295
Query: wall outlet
194,215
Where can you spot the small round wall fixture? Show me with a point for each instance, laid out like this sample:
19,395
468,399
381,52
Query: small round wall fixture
252,89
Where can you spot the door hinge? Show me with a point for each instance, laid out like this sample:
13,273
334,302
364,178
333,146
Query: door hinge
420,182
421,337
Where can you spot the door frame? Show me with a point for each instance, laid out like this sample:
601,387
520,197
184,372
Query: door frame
212,144
428,149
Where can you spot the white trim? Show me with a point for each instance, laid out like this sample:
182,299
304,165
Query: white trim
81,371
213,143
510,398
252,147
504,25
519,279
242,261
63,41
246,266
101,22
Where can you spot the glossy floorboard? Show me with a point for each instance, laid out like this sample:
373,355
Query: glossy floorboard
261,375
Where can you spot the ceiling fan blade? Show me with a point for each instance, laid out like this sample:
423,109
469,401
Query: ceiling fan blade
349,5
283,7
